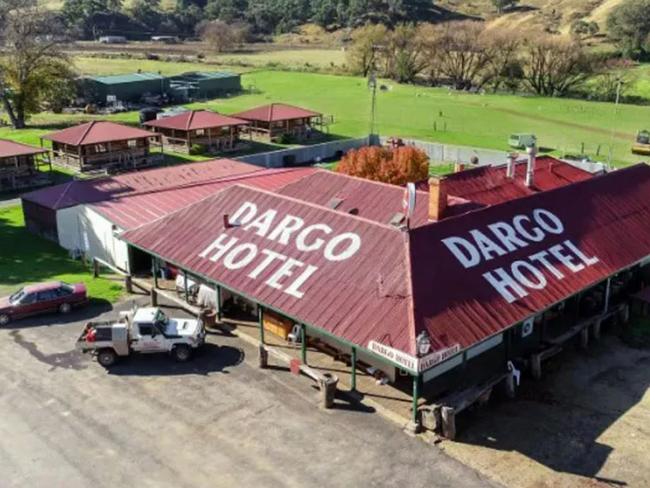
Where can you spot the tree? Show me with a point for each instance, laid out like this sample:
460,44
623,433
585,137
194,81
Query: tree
462,53
405,60
33,70
503,5
396,166
583,29
554,66
80,13
629,25
222,36
364,53
504,68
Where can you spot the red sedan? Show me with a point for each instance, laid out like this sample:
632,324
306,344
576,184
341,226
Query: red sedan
42,298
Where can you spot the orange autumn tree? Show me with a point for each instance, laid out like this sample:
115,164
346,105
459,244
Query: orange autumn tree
397,166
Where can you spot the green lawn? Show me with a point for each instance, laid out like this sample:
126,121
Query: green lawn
26,259
562,126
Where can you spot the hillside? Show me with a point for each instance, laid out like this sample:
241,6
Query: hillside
553,14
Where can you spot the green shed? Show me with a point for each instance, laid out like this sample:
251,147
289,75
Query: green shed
204,84
125,88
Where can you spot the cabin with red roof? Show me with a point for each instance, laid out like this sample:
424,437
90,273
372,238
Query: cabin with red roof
104,146
279,121
19,165
210,131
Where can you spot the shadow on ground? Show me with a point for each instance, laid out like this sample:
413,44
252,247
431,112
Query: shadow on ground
560,421
211,358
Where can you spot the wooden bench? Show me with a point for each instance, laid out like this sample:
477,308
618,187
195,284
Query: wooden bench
442,415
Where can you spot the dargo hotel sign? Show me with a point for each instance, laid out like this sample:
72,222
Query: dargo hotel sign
517,279
277,269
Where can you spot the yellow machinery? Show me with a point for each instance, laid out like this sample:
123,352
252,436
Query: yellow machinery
642,145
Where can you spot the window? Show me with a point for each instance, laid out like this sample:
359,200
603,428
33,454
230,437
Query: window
146,329
47,295
100,148
28,299
64,291
200,132
132,144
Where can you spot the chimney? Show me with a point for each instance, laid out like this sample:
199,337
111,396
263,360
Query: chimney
437,198
226,221
510,166
458,167
530,168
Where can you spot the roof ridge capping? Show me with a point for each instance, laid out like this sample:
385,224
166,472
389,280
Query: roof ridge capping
316,206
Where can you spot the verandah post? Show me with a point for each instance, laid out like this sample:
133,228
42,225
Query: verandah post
416,396
185,289
260,320
353,379
303,343
219,312
154,266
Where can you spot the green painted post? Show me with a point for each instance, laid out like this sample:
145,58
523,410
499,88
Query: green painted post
353,379
303,343
154,271
260,319
187,293
219,312
416,396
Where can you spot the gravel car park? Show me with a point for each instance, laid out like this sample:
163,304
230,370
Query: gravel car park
214,421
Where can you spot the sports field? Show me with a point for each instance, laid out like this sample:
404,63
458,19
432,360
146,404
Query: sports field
436,114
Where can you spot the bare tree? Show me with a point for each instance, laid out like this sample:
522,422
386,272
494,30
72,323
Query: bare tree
504,68
222,36
364,53
462,53
554,66
405,58
33,68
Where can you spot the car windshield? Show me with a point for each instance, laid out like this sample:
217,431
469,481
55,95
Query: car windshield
17,297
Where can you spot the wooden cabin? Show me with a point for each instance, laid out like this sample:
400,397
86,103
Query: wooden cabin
277,121
105,146
209,131
19,165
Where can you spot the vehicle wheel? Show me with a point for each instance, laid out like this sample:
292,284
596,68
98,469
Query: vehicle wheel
106,357
65,308
182,353
4,319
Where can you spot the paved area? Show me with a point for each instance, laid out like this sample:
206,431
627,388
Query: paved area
216,421
586,424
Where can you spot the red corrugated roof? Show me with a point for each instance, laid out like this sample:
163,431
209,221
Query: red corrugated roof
489,185
276,112
459,306
97,132
359,299
400,283
196,119
373,200
137,209
9,149
78,192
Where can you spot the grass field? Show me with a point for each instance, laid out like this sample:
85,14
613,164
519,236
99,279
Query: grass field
26,258
435,114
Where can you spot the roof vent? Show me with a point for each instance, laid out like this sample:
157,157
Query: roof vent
353,211
397,220
334,203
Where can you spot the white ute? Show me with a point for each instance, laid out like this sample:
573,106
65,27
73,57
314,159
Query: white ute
144,330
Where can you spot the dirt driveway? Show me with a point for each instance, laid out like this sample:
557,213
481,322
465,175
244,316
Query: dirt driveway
586,424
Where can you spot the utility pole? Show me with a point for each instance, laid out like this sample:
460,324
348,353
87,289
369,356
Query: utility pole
619,83
372,84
